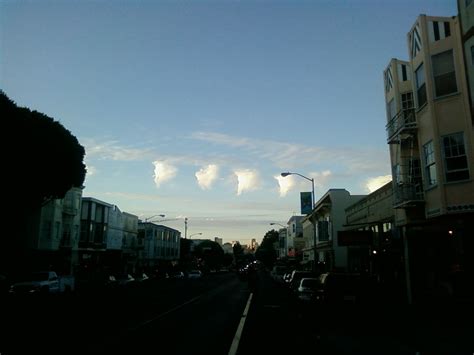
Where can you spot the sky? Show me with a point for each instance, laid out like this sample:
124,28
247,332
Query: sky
192,109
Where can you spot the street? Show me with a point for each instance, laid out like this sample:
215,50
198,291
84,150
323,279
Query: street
202,317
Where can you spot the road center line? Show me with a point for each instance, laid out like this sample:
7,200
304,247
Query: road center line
240,328
161,315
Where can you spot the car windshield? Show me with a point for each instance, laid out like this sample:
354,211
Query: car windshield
309,283
39,276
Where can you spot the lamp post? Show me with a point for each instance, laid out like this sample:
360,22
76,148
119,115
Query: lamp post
278,224
194,234
312,208
155,215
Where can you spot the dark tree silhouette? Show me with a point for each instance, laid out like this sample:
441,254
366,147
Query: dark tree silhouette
210,253
42,160
266,252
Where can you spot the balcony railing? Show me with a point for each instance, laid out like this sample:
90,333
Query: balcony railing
403,122
408,194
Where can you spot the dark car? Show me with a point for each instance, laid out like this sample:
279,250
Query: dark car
343,288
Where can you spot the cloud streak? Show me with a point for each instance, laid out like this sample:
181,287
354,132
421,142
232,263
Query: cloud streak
112,150
291,155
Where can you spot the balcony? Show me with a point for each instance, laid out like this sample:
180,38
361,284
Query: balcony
406,195
403,123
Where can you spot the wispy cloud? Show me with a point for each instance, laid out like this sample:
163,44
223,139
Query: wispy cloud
163,172
374,183
291,155
112,150
207,176
247,180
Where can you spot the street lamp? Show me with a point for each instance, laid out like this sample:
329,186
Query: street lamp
155,215
194,234
278,224
314,221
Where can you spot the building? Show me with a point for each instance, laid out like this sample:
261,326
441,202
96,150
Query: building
374,244
329,217
218,241
466,18
161,245
430,133
294,238
54,236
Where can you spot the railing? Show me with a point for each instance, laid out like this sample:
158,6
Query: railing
403,122
408,194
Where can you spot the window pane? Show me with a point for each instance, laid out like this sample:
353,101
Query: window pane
444,74
458,163
420,76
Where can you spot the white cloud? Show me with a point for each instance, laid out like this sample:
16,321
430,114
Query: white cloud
247,180
163,172
91,170
285,184
374,183
321,179
207,175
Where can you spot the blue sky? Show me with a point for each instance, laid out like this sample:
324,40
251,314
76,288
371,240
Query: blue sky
193,108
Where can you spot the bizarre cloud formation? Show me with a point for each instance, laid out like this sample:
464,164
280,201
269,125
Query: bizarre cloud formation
373,184
247,180
207,175
285,184
163,172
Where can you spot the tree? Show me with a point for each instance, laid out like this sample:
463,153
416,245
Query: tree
266,252
210,254
44,159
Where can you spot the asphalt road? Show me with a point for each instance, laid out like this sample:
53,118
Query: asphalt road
203,317
168,316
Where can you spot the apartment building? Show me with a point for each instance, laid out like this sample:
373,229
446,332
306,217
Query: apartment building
294,237
329,217
159,245
430,134
104,227
54,234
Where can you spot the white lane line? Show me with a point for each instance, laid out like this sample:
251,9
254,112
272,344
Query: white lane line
161,315
240,328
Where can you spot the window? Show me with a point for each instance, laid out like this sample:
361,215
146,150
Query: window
430,164
420,85
444,74
323,231
407,100
455,158
391,109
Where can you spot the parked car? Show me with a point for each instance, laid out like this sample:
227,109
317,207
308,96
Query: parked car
296,277
141,277
194,274
176,275
342,288
46,282
308,289
125,280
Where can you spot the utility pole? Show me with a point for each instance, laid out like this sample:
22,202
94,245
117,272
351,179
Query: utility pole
185,227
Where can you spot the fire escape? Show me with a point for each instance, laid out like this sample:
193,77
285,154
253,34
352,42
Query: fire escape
408,183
